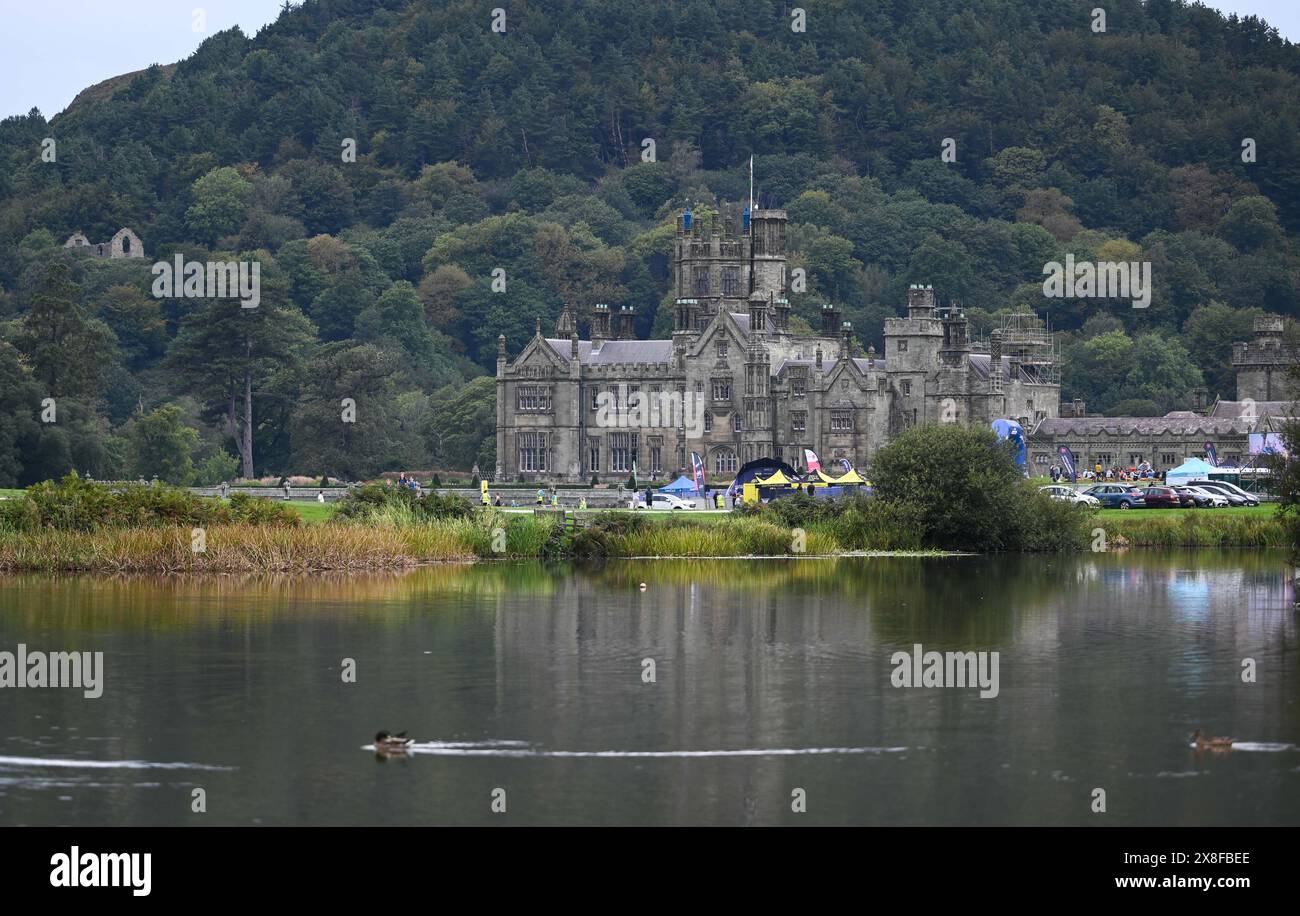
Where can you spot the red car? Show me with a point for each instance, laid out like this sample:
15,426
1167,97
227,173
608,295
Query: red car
1162,498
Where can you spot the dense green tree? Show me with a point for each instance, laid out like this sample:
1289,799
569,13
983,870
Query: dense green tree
220,204
159,444
976,506
226,355
70,352
461,426
346,423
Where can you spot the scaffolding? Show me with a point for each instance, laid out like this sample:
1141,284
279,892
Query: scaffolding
1029,345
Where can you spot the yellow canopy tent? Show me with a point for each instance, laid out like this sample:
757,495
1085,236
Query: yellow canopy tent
776,480
852,478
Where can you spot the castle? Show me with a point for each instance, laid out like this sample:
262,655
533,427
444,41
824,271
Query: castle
744,385
125,244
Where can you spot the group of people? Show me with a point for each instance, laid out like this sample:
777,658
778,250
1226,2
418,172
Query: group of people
1142,471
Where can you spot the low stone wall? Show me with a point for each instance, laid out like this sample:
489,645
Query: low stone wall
517,497
303,493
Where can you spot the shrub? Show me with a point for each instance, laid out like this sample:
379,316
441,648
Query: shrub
962,483
874,524
607,535
1045,524
74,504
800,510
400,505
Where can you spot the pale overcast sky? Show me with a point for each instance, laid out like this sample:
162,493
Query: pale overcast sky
52,49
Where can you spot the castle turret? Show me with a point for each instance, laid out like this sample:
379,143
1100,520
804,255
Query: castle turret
956,340
1263,364
920,301
767,251
758,318
781,313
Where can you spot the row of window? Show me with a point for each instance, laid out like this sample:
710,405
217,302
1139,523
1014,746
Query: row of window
533,399
841,420
1107,459
622,452
731,287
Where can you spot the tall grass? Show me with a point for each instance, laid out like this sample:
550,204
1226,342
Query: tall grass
1196,529
394,538
228,548
744,537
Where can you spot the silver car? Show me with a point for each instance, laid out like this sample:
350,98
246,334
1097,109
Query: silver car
1070,495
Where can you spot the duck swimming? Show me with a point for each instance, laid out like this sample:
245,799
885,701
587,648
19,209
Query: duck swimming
1204,743
392,744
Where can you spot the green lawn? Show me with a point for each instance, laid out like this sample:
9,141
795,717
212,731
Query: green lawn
312,511
10,493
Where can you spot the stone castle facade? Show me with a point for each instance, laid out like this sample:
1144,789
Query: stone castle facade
751,385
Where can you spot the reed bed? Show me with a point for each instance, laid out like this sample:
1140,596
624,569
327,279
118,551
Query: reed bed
228,548
393,541
1197,529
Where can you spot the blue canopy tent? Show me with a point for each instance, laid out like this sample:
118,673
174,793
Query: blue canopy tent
1189,471
682,486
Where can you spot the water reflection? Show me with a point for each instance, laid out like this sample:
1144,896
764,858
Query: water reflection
1108,663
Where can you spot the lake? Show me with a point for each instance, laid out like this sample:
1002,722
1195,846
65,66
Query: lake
726,692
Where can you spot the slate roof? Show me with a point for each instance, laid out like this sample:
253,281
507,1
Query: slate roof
1232,409
616,351
1143,426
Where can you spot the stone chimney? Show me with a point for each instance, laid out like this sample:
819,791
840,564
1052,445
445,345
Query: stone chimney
830,320
600,330
626,323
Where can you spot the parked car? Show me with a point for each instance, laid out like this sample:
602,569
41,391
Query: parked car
1117,496
1071,495
1235,494
1201,499
1161,498
666,501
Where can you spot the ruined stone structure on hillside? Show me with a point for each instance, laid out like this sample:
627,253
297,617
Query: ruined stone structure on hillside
125,244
